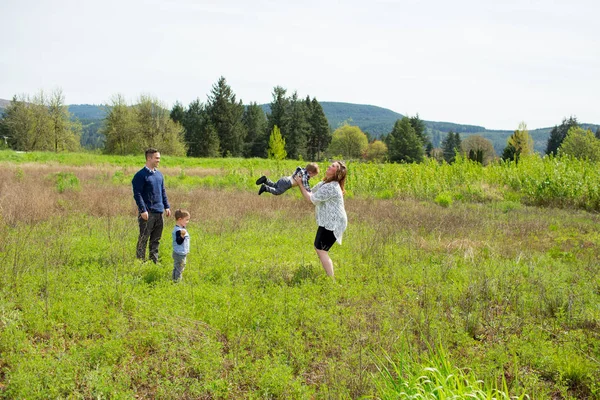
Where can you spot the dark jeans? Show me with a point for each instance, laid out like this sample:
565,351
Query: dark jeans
149,230
278,187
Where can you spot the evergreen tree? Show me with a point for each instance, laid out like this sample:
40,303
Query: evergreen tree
280,111
598,133
200,135
17,125
421,130
320,134
177,113
559,133
255,122
298,129
405,144
451,146
226,116
276,149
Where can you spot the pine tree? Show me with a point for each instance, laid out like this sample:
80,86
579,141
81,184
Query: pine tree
559,133
226,116
298,129
276,149
177,113
255,122
405,144
320,134
451,146
279,111
200,135
421,130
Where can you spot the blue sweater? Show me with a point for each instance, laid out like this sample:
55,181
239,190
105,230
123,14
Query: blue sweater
149,191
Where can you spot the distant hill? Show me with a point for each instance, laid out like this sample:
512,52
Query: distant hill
88,111
376,121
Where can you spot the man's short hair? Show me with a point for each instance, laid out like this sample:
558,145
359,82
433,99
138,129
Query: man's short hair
150,152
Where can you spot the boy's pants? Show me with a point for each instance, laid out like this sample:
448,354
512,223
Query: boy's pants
178,266
278,187
150,229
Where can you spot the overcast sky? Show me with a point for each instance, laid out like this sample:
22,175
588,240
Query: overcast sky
482,62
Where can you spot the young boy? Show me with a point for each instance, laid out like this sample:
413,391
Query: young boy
283,184
181,243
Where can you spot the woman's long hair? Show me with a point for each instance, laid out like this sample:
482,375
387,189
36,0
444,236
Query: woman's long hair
340,175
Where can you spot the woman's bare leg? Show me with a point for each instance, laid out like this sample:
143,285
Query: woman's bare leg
325,261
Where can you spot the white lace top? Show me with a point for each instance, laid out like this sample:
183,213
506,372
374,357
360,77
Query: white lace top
329,201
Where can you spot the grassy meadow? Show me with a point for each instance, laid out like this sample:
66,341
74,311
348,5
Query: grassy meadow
453,281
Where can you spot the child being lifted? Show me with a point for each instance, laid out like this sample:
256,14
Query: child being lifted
283,184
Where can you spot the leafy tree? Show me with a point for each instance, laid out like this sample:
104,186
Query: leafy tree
255,122
451,145
276,149
519,144
40,123
348,141
122,136
200,135
226,116
581,143
156,128
65,133
132,129
320,134
559,133
404,143
478,148
598,133
377,151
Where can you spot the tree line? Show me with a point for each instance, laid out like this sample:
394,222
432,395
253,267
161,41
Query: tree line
292,128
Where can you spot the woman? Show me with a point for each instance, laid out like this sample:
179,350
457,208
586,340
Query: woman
328,198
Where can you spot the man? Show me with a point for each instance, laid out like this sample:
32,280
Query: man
151,199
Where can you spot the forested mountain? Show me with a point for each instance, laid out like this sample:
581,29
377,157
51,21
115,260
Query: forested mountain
373,120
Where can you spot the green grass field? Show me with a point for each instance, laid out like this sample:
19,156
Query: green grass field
453,282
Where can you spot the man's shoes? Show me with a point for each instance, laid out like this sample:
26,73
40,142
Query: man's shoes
262,189
261,180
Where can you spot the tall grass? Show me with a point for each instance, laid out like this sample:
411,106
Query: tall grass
549,181
508,291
